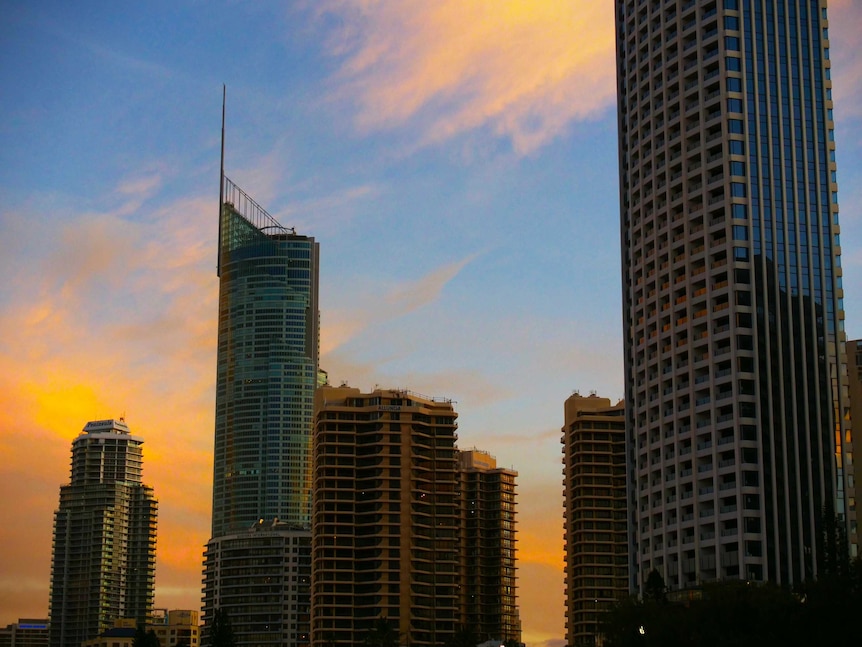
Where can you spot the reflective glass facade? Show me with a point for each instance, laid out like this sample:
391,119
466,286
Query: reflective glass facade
738,433
266,372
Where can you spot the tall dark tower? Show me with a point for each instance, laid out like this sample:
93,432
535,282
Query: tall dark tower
104,537
736,381
266,376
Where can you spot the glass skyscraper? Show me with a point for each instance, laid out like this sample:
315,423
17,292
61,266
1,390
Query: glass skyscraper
104,555
266,368
738,434
267,372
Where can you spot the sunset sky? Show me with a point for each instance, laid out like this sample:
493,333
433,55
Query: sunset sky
455,159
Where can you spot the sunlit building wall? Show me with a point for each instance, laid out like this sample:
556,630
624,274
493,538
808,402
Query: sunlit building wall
104,552
386,517
738,429
594,500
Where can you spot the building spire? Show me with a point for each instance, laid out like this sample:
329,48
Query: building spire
221,176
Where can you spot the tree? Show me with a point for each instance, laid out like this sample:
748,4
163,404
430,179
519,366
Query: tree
220,633
464,636
655,588
382,634
144,638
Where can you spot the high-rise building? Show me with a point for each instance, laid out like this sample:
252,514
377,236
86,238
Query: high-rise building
487,546
386,518
266,368
732,302
104,554
267,372
595,527
854,494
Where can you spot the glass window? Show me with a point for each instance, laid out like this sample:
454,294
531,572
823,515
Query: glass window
734,105
734,84
740,232
737,147
737,189
740,253
733,64
731,43
731,22
738,211
737,168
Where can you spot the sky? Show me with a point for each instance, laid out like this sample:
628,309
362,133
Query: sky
455,159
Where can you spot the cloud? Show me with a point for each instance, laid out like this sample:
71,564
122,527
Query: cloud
341,324
525,69
845,20
107,312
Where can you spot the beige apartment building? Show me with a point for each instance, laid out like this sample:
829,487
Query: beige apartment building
594,493
385,517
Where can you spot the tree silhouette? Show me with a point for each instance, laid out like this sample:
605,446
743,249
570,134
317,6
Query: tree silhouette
220,633
144,638
382,634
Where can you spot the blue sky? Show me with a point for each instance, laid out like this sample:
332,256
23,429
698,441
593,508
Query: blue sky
457,162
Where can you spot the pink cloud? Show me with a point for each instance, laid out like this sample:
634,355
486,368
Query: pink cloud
523,69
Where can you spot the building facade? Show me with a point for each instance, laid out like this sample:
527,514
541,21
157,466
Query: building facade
386,517
488,549
594,501
175,628
104,553
733,320
261,577
267,372
27,632
266,368
854,493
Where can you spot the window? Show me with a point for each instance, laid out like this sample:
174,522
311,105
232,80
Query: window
738,211
734,105
731,43
734,84
733,64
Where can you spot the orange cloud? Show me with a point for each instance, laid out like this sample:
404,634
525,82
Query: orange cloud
105,314
523,68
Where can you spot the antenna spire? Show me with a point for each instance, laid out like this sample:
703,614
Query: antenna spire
221,178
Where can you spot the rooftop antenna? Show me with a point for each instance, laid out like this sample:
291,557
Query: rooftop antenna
221,177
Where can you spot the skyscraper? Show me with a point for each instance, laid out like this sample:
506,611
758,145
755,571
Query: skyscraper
594,498
104,554
732,303
488,581
266,375
386,522
266,368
